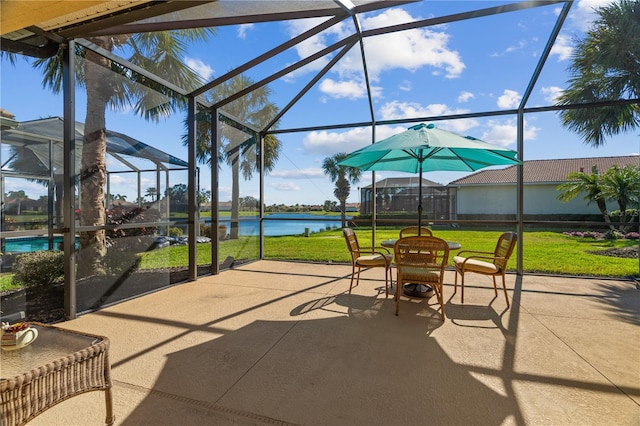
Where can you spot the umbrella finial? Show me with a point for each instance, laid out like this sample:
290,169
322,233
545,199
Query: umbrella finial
422,126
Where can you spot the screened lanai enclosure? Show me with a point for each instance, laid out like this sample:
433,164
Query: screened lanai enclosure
145,144
397,197
34,152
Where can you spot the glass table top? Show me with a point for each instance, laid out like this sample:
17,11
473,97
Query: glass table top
50,345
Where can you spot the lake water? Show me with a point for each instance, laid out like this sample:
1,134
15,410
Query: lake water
286,224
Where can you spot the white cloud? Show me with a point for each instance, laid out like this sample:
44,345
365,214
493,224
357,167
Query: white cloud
562,48
311,45
343,89
308,173
224,193
405,86
328,143
509,99
243,29
118,179
582,14
551,93
202,69
33,190
505,132
412,49
286,186
349,89
397,110
465,97
521,45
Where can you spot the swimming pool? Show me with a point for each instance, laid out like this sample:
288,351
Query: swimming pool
298,223
29,244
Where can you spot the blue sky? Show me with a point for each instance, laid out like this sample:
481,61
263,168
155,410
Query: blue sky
478,65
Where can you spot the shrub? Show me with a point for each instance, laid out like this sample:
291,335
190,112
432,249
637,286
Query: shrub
587,234
175,232
613,234
39,269
121,215
205,230
631,215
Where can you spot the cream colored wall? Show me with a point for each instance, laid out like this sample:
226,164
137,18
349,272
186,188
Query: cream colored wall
538,199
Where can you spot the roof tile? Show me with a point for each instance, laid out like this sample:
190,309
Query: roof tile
535,171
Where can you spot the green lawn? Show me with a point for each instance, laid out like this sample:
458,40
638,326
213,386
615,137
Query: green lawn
544,252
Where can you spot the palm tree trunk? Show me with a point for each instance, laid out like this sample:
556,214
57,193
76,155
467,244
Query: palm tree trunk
343,214
93,169
602,205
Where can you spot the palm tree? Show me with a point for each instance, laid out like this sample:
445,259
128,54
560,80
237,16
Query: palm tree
343,177
622,185
18,197
254,108
605,68
23,160
589,184
108,83
152,193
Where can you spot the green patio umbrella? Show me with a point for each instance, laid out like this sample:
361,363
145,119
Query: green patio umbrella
425,148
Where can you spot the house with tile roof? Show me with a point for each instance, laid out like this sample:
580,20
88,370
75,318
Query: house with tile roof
493,192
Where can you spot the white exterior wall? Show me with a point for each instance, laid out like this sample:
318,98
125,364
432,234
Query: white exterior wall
537,199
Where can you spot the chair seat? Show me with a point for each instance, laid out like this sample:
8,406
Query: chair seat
376,257
374,260
418,273
421,260
474,265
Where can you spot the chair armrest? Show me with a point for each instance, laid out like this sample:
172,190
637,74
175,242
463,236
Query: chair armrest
490,259
475,252
375,249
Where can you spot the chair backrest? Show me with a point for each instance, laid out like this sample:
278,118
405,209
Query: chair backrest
504,248
421,255
413,230
352,242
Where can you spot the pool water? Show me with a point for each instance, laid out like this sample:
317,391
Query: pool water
247,226
29,244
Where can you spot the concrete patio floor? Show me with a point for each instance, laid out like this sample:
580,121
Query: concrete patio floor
284,343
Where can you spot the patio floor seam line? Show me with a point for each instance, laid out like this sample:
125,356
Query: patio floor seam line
579,355
208,406
253,366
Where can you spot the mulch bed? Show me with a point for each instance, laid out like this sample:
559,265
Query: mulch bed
624,252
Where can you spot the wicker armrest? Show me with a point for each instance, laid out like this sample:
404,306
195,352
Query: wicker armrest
375,250
474,252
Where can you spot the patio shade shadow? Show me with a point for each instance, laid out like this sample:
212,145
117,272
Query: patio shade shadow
348,369
621,302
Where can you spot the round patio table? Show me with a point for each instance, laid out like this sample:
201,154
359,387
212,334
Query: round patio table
418,290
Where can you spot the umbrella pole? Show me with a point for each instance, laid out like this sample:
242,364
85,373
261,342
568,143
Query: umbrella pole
420,201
